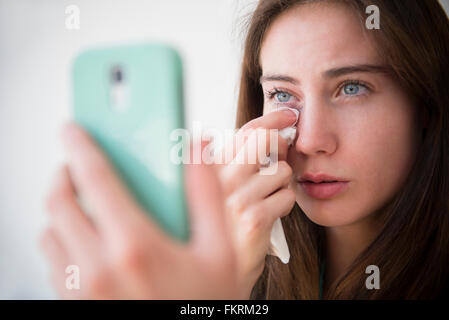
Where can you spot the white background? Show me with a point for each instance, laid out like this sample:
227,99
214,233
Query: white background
36,51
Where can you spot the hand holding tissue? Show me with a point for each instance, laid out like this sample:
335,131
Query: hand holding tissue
278,242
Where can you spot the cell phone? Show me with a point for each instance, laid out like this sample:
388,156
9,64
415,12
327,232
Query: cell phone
129,98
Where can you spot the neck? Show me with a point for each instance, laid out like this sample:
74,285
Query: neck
344,244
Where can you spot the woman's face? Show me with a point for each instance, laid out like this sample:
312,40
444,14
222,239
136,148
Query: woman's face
355,122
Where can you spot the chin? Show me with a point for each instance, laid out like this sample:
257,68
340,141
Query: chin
328,214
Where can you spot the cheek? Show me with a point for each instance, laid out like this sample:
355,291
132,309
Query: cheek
383,149
376,152
380,150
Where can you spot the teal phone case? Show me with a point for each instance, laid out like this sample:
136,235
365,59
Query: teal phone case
129,99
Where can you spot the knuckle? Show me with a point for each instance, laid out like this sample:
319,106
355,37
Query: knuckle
226,182
290,195
235,203
290,198
55,200
253,220
264,134
249,133
242,135
249,125
131,259
286,170
255,135
98,284
94,171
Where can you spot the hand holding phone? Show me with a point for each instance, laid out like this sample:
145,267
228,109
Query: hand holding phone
129,99
124,254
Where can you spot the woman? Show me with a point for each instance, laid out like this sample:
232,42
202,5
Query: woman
374,115
374,112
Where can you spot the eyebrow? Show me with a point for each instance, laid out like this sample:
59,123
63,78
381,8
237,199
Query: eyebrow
331,73
278,77
368,68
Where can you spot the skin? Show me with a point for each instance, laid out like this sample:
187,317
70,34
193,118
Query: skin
121,253
368,138
254,201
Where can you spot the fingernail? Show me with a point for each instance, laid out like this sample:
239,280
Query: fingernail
70,134
66,132
291,112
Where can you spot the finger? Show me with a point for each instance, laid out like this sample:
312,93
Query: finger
71,225
279,204
258,218
259,187
114,210
272,120
209,227
249,159
54,251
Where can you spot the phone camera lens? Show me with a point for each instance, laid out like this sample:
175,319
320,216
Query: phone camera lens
117,74
118,90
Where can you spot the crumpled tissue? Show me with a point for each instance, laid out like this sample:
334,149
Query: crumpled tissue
278,242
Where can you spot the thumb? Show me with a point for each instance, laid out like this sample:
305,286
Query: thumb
206,206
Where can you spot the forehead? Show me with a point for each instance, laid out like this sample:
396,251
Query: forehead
319,35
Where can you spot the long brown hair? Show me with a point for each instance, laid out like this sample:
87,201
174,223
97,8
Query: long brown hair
412,247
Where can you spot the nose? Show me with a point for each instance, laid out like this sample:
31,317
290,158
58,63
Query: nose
316,128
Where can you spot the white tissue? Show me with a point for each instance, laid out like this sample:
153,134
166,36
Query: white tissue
278,242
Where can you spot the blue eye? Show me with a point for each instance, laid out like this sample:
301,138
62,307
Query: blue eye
351,89
354,88
283,96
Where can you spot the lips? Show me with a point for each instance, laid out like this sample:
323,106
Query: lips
322,186
317,178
